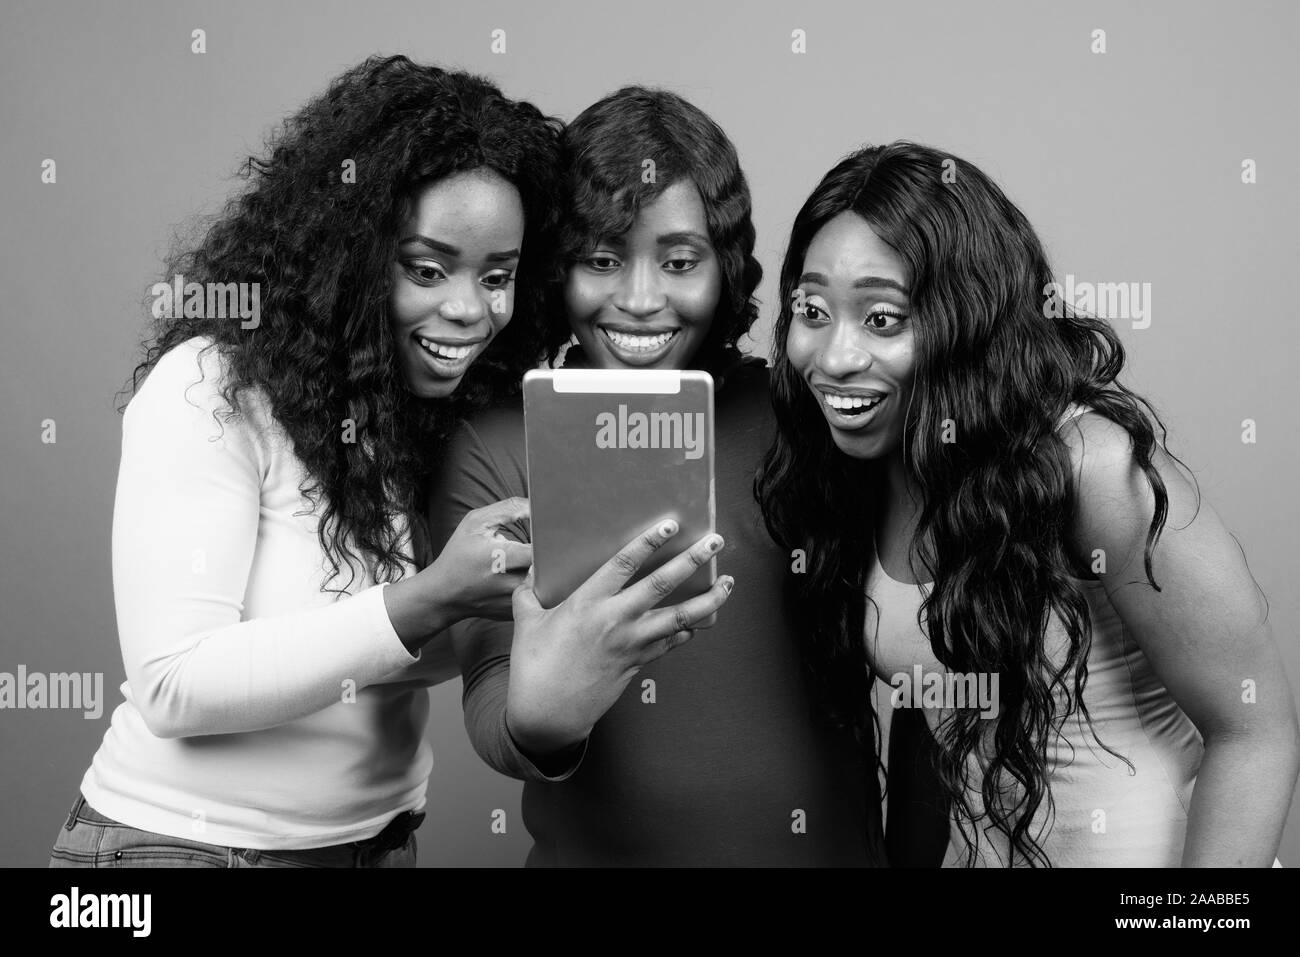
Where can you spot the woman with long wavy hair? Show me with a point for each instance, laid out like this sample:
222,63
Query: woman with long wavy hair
984,506
266,531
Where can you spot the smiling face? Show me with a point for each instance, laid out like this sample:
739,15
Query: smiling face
646,298
453,280
854,345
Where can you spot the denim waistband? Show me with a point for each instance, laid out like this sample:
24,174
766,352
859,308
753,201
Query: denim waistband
394,835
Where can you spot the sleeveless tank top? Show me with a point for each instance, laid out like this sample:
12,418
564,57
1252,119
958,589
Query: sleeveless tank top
1105,815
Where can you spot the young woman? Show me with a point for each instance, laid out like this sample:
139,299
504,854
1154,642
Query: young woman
980,498
724,764
265,533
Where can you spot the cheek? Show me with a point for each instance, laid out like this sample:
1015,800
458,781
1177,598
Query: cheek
581,296
800,344
697,299
901,363
407,303
501,307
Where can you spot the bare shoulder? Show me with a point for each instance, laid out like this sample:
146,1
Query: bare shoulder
1112,489
1097,444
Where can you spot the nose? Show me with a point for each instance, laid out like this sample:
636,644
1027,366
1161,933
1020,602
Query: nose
639,292
846,353
464,303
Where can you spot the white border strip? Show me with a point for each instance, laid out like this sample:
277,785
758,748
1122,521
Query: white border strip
644,381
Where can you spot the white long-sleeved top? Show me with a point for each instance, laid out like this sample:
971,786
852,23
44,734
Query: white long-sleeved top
259,711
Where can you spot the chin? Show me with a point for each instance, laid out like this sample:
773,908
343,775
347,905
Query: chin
864,447
435,388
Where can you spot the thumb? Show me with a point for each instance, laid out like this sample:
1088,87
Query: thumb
524,600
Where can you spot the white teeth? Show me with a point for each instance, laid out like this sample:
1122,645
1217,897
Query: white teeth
638,343
447,352
850,403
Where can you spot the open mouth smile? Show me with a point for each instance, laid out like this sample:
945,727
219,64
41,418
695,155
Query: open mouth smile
638,348
850,411
448,359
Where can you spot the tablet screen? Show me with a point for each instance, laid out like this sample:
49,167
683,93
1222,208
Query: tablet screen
610,452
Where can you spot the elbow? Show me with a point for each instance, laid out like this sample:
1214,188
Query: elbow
162,710
1292,749
1275,743
160,724
1285,741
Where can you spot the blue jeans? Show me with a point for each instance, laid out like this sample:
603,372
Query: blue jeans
89,839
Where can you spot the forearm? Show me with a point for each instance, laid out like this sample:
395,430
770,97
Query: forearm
260,673
487,688
414,616
1241,799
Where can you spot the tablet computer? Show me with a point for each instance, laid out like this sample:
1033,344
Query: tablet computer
610,452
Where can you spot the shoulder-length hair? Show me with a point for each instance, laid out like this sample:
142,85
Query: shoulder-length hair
604,183
1001,360
317,228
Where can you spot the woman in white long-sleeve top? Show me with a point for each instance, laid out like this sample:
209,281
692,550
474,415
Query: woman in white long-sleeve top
265,532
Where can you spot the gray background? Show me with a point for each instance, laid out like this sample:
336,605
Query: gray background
1128,163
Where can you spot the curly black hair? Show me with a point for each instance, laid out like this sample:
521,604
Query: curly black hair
602,152
321,247
997,352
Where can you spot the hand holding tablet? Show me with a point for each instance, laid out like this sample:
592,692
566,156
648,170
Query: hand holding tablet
569,664
620,478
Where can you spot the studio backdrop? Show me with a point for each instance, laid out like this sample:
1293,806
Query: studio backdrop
1152,145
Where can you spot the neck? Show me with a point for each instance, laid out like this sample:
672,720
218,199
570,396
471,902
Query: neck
900,490
898,515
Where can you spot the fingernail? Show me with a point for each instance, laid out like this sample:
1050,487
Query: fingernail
714,543
668,528
727,583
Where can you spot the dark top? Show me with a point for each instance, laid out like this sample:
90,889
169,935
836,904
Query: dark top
718,768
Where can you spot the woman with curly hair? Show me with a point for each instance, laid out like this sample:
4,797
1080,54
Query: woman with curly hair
723,762
266,534
984,505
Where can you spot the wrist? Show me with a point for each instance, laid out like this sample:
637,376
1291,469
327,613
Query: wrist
444,610
413,616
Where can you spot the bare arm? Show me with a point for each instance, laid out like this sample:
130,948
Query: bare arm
1206,636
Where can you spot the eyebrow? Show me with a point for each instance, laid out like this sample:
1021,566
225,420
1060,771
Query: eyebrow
866,282
446,250
685,236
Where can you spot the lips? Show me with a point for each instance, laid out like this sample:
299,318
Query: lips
639,341
446,350
448,359
851,403
640,347
849,409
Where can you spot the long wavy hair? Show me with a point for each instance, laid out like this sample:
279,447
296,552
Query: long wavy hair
322,247
996,505
603,185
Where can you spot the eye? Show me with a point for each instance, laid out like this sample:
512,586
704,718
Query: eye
601,262
498,280
883,320
681,264
424,271
812,313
